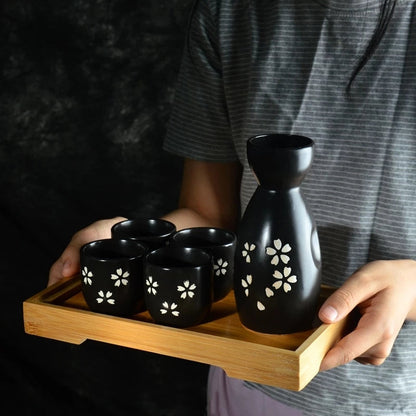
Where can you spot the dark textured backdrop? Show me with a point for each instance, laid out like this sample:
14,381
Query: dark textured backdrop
85,94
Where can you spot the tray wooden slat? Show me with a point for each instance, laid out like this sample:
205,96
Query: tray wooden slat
287,361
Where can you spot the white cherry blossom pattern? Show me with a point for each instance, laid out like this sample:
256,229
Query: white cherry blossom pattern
284,280
151,285
86,275
220,268
169,308
187,289
107,297
260,306
120,277
246,252
269,292
278,252
246,283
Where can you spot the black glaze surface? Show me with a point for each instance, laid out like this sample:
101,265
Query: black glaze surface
112,276
221,244
278,266
153,232
179,285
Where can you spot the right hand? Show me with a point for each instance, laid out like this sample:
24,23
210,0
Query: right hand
68,263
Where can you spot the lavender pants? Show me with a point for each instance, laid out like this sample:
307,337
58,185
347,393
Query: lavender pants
230,397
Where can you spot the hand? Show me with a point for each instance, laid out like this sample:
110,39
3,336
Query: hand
384,292
68,264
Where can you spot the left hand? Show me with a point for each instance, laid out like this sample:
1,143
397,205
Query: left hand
384,292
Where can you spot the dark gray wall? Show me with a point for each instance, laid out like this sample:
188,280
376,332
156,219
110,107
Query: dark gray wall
85,94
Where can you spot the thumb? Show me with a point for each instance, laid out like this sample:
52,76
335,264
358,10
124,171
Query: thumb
66,266
338,305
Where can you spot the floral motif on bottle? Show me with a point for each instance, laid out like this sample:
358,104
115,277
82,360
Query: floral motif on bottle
279,257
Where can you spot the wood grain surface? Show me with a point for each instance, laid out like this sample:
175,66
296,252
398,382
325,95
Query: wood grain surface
287,361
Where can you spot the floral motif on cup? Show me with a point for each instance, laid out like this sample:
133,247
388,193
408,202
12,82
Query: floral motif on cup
120,277
284,280
86,275
169,308
151,285
246,283
220,268
187,289
105,297
248,248
278,252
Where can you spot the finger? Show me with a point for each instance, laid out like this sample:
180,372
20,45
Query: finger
376,355
66,266
55,273
358,344
373,337
363,360
354,291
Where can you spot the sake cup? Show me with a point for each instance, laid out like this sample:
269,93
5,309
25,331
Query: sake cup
178,285
152,232
112,273
218,242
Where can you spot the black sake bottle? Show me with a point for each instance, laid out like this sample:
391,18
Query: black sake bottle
277,265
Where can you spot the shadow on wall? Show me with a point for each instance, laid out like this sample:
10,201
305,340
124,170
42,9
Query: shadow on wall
86,89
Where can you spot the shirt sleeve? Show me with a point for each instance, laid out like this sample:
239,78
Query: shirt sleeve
199,127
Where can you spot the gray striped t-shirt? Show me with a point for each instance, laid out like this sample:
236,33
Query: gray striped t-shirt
253,67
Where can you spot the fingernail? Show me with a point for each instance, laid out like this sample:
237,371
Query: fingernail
329,313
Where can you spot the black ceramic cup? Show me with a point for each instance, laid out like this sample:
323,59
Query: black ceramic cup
112,276
218,242
152,232
178,285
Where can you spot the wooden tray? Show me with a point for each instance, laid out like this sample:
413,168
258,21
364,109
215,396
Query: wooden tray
287,361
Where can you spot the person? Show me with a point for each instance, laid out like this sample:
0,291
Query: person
343,74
